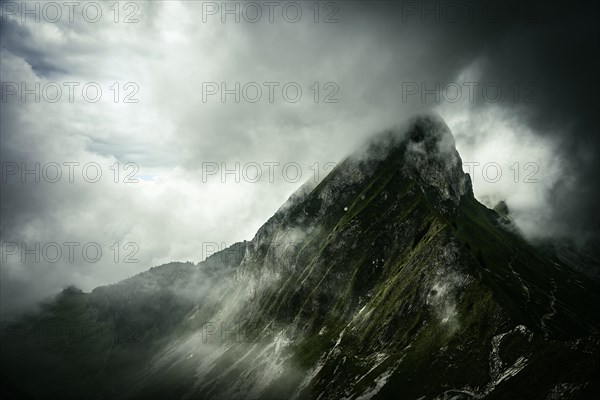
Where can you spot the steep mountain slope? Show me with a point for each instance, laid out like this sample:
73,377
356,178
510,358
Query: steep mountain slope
386,280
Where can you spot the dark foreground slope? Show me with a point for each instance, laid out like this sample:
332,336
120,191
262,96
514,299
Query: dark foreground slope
386,280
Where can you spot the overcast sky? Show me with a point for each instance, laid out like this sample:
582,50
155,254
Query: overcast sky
527,108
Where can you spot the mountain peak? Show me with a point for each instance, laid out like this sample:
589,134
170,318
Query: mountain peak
420,150
432,160
502,208
423,150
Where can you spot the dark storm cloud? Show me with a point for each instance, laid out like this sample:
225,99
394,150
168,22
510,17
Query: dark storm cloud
549,50
18,40
561,56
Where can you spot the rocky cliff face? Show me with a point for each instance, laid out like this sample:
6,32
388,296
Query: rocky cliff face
386,280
